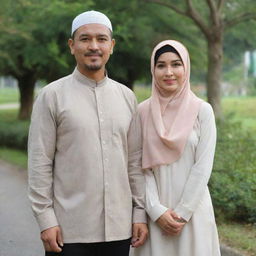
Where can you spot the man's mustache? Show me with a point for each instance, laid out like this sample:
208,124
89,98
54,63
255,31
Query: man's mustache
93,53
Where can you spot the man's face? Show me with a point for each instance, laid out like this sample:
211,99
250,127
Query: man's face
91,46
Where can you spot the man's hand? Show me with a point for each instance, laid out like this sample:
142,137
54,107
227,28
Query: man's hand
139,234
52,239
170,223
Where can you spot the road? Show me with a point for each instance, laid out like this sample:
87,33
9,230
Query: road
19,233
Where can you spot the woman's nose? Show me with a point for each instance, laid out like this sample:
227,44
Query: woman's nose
169,71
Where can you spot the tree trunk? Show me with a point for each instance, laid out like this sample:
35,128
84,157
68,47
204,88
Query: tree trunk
26,84
127,82
215,56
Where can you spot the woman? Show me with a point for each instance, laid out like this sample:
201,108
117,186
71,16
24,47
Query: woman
179,137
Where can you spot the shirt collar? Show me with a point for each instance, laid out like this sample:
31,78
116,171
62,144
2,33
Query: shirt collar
87,81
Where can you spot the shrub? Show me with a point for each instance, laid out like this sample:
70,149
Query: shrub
14,134
233,181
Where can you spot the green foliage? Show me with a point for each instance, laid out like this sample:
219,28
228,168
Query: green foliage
233,182
236,42
36,38
13,134
252,86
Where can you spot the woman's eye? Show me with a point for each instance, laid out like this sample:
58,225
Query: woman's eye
177,64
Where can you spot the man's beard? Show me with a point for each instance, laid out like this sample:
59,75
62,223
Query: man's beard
93,67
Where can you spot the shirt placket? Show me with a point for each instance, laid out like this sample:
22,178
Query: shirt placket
104,138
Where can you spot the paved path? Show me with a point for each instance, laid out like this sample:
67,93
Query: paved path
9,106
19,233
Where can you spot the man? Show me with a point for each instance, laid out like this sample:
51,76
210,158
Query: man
85,179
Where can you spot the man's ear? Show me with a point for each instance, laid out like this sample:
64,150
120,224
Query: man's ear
113,45
71,44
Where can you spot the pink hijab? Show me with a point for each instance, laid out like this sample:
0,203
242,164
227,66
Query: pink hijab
168,121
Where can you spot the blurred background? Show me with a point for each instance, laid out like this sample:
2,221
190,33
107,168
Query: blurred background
221,38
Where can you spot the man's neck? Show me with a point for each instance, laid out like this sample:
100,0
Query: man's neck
93,75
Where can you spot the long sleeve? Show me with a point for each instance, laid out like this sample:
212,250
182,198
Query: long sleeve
136,176
196,184
153,206
41,151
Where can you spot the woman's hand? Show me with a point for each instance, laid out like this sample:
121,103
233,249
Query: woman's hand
170,223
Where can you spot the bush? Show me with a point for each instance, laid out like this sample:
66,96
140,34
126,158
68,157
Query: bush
233,181
14,134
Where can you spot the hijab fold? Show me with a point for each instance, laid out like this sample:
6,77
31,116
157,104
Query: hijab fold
168,121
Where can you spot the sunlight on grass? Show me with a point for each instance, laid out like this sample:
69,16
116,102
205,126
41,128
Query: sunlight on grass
9,95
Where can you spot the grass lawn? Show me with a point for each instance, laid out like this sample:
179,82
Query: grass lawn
142,92
8,95
241,109
9,116
241,237
14,156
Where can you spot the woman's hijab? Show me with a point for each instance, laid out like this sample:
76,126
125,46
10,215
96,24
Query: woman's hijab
168,121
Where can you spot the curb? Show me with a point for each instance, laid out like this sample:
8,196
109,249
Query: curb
227,251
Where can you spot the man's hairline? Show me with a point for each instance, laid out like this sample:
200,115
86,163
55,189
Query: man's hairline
73,34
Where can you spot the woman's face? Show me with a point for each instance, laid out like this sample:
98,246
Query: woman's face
169,73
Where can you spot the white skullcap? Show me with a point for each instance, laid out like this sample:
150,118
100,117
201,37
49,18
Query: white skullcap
90,17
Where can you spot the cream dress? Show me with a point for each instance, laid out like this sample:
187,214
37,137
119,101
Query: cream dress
182,186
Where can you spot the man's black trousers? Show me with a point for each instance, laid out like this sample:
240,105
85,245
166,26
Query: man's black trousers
115,248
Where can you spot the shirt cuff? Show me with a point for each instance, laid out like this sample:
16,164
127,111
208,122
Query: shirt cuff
183,212
139,216
47,220
156,211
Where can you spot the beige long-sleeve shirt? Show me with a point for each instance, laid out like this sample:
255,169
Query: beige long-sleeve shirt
85,160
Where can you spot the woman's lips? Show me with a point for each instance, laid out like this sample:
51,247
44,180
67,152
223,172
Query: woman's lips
170,81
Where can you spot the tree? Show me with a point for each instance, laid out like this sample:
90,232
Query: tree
213,18
35,44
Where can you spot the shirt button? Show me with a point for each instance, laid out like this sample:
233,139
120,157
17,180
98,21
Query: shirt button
103,142
106,159
101,120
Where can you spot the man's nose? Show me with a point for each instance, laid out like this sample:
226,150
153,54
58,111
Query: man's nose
93,44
